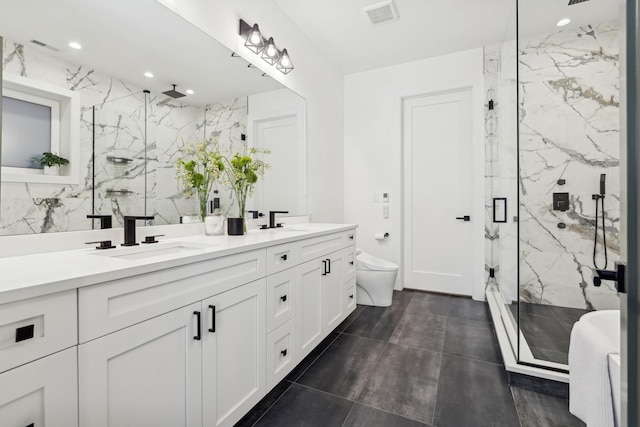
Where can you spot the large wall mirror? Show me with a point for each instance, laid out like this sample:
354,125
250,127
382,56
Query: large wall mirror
120,132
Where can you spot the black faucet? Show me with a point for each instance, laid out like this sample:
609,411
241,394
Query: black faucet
255,214
272,218
130,229
105,220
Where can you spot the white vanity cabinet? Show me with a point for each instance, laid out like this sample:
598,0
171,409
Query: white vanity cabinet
147,374
233,353
38,361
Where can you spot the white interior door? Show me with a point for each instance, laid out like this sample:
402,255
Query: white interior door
285,180
437,138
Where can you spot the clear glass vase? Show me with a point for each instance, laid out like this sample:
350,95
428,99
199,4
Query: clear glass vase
214,224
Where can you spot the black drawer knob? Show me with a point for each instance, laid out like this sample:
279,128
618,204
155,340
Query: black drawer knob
283,298
351,296
284,352
283,257
24,333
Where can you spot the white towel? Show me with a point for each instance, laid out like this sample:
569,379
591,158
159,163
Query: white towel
593,338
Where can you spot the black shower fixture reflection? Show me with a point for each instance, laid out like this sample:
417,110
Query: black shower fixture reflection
600,198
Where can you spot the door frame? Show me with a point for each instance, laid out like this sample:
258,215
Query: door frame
475,83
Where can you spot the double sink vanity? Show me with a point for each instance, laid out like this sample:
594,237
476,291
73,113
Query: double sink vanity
191,331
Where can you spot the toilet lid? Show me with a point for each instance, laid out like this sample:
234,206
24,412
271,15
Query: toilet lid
367,261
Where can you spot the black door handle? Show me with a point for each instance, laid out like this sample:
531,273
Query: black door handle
213,318
197,336
464,218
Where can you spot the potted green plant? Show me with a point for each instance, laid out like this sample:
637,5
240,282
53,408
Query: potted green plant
199,171
50,162
241,172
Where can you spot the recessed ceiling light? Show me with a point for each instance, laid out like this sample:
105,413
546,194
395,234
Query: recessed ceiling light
148,74
189,91
563,22
75,45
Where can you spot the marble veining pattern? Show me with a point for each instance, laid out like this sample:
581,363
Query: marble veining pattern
121,132
569,129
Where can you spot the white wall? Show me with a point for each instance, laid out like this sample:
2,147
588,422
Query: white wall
373,141
313,78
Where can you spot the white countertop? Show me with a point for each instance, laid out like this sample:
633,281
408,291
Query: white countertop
40,274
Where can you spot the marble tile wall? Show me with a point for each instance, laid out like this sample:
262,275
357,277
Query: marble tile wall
120,131
568,129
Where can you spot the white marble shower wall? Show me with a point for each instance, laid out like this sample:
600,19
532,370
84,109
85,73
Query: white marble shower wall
569,129
120,111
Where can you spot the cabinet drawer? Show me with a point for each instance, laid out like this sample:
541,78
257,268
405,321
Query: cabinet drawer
280,298
350,263
281,353
114,305
349,238
36,327
42,393
321,246
281,257
349,301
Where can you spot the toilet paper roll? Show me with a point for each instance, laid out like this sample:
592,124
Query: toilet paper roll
380,236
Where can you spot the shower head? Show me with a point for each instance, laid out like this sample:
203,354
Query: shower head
174,93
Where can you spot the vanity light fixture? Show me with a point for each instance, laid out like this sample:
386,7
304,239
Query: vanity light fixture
563,22
75,45
254,40
266,48
270,52
148,74
284,63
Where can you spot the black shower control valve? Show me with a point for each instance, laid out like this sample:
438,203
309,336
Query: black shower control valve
152,239
562,225
561,202
562,181
102,244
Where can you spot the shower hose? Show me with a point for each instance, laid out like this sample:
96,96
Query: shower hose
595,237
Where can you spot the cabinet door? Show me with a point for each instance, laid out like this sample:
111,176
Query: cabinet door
309,317
333,291
234,353
146,375
41,393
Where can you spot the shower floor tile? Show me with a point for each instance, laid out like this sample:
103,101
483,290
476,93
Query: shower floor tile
428,360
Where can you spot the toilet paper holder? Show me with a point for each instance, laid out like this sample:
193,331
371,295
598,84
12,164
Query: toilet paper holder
381,236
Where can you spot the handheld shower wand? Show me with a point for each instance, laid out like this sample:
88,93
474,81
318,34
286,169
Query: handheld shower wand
600,197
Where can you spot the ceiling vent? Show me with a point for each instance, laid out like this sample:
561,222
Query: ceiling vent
46,46
382,13
571,2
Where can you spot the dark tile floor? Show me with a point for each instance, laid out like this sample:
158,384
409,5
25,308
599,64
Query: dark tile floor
547,329
428,360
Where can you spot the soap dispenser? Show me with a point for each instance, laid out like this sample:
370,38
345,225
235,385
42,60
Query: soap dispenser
214,222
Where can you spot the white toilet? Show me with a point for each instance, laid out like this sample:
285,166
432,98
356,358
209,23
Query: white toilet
375,278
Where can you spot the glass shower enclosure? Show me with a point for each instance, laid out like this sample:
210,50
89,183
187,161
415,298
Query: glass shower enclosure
557,137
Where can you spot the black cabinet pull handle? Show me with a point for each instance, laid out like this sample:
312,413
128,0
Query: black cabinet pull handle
197,336
329,264
283,352
351,237
24,333
324,267
283,257
283,298
213,318
464,218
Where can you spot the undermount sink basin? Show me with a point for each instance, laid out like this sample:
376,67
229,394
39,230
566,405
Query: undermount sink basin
152,250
